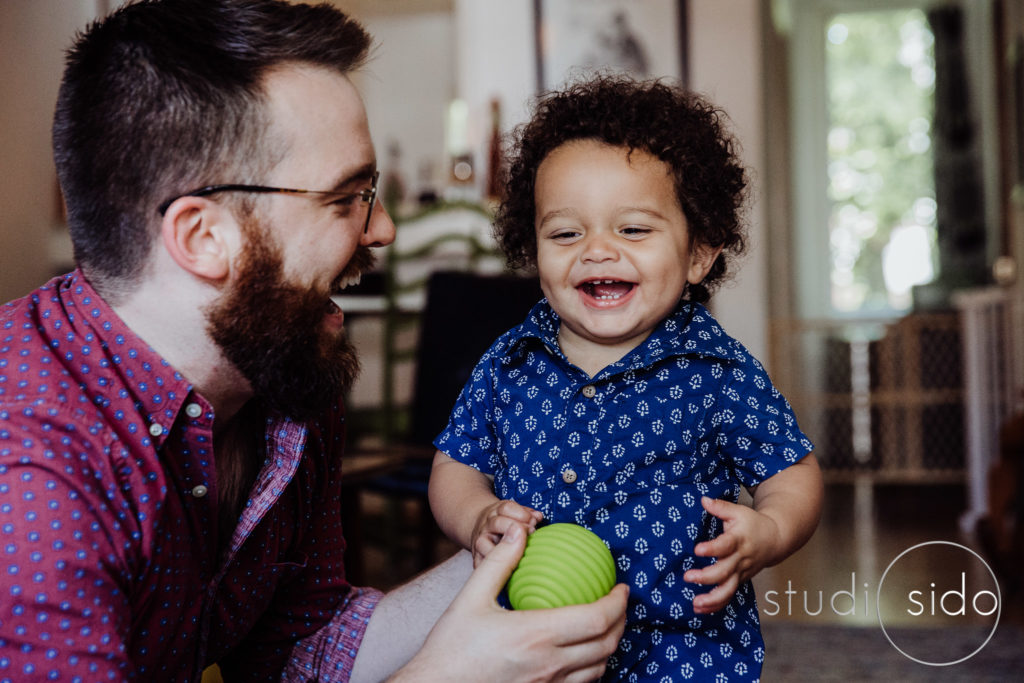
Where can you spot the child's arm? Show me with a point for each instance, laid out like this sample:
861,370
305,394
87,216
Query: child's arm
784,515
465,507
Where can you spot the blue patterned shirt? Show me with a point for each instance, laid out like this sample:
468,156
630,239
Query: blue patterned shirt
628,453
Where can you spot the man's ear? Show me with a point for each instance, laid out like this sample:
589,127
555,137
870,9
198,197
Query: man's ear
702,257
195,233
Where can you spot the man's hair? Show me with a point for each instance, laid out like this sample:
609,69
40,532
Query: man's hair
164,96
678,127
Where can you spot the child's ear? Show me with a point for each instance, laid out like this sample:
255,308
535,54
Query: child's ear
702,257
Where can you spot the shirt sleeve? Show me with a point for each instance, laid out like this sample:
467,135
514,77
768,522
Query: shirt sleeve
470,435
328,655
65,611
756,428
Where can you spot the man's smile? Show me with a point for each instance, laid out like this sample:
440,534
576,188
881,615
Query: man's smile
362,261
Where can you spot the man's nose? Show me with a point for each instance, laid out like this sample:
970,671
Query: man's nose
380,231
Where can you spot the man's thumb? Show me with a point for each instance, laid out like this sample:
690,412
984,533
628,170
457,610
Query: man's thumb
493,571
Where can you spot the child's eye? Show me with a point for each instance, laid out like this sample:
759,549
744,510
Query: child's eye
564,235
634,230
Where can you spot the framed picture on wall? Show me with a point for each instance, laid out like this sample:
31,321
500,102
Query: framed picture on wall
643,38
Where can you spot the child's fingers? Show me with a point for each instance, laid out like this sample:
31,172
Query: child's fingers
483,545
717,598
720,546
491,535
520,513
485,584
722,509
712,574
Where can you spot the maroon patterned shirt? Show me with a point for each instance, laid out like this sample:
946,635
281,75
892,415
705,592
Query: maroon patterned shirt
109,563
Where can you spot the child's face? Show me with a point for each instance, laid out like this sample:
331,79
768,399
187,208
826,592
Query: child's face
613,248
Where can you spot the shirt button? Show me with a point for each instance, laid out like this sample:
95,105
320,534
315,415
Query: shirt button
156,429
193,410
199,491
569,476
589,391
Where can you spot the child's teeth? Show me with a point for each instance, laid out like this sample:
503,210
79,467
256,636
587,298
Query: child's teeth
611,296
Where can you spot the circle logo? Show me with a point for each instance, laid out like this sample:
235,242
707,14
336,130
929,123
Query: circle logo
938,584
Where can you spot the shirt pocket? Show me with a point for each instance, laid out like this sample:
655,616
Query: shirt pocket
284,569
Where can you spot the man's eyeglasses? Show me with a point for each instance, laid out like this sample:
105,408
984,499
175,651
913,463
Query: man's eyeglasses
367,196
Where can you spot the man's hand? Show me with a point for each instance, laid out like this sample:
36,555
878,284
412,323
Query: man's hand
476,640
747,544
495,521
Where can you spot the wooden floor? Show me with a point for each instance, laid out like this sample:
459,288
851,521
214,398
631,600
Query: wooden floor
898,549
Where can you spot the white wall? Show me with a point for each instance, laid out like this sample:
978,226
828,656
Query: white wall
407,86
496,58
33,36
726,64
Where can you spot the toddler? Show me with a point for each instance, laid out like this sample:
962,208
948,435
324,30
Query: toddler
619,403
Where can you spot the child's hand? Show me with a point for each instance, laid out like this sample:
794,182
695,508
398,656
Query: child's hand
748,543
784,515
494,521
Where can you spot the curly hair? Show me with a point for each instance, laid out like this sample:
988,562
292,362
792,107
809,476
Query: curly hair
678,127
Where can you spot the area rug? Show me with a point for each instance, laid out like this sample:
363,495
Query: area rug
811,652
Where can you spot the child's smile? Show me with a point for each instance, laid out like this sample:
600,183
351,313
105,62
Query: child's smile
605,293
613,248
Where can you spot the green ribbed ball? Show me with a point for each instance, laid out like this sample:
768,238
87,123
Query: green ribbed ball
564,564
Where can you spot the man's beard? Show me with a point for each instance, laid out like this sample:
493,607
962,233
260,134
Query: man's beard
273,332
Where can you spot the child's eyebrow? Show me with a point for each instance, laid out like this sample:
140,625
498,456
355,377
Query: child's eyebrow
569,212
557,213
640,209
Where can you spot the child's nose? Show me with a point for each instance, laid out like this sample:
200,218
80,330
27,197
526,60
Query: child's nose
599,247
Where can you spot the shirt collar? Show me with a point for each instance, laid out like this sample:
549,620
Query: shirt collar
157,390
689,331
